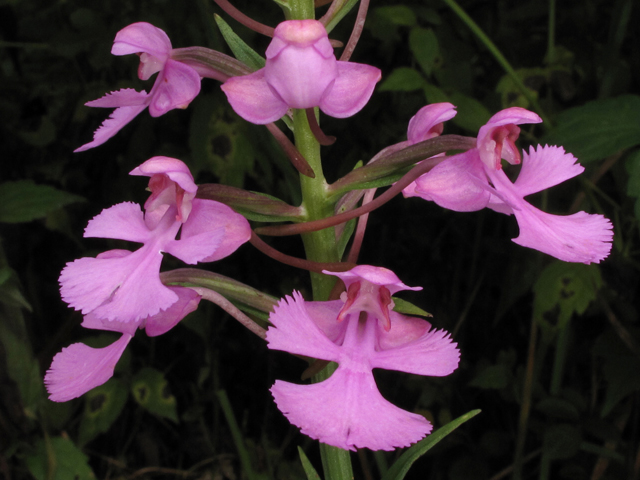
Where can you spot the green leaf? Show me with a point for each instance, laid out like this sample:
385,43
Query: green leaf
346,8
102,407
309,471
240,49
403,79
397,15
471,113
58,459
23,201
558,408
598,129
151,390
434,94
400,468
424,46
408,308
562,290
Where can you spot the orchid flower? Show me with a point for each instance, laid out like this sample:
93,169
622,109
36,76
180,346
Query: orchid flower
474,180
79,368
360,332
176,85
301,71
125,286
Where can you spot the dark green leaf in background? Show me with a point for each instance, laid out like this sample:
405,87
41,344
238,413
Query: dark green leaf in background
23,201
599,128
151,390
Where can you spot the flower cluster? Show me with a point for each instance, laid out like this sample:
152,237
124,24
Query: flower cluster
475,179
121,290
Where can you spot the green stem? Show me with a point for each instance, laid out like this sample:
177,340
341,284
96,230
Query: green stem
551,33
497,54
320,246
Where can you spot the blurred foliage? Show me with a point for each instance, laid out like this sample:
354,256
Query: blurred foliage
160,417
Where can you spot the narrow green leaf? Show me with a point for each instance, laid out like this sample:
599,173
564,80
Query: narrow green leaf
23,201
306,465
339,15
240,49
408,308
599,128
400,468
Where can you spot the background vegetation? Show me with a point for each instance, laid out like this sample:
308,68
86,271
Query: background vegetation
555,344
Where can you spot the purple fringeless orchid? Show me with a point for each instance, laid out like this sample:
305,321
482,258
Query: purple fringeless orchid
176,85
121,290
474,180
301,71
360,332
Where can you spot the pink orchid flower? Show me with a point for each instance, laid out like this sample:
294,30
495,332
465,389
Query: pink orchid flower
360,332
474,180
176,85
301,71
126,287
79,368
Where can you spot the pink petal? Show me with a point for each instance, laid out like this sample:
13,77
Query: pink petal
458,183
142,37
112,125
347,411
91,321
351,91
300,75
124,221
377,275
427,123
325,316
432,353
196,248
79,368
580,237
175,169
252,99
301,34
545,167
164,321
503,124
207,216
125,289
176,86
126,97
294,331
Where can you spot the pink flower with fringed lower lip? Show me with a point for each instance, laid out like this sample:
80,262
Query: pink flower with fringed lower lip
120,290
474,180
301,71
127,287
176,85
360,332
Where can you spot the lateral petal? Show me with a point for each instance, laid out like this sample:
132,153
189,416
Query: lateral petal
351,90
165,320
347,411
208,215
294,331
78,368
112,125
124,221
176,86
252,99
545,167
